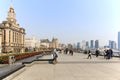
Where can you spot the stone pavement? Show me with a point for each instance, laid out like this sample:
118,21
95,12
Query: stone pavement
75,67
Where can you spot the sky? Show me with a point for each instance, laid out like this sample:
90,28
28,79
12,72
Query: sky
70,21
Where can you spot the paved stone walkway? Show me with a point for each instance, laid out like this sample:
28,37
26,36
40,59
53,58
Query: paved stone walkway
75,67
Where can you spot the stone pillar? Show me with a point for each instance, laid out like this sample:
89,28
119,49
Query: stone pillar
7,36
0,40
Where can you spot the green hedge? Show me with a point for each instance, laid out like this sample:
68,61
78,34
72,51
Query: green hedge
4,58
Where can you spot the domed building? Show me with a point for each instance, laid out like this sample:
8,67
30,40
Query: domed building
12,35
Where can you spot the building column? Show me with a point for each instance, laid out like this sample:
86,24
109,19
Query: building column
0,40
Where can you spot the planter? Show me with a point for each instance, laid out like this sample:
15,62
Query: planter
5,58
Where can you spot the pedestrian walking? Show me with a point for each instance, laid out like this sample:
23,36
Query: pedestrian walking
97,52
111,53
71,52
104,53
107,54
89,55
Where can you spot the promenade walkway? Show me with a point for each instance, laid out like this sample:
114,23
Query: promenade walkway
75,67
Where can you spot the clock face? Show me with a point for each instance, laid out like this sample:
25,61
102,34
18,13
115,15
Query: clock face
11,19
11,15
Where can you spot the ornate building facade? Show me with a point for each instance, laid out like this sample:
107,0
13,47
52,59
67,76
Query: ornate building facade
31,44
55,43
12,35
45,43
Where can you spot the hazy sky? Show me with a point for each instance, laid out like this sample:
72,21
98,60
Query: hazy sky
70,21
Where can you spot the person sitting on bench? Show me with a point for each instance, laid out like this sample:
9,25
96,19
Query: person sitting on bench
54,56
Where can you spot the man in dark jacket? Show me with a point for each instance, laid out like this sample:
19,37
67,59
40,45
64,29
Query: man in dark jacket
97,52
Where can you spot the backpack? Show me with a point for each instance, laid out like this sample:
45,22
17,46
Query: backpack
56,55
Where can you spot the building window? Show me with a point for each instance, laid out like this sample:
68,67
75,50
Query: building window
9,36
13,36
23,39
17,37
4,36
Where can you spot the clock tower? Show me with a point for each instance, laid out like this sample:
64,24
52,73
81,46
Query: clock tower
12,35
11,15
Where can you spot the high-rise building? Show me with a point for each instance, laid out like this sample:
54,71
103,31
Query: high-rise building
13,36
97,44
106,46
92,44
112,44
78,45
119,40
87,44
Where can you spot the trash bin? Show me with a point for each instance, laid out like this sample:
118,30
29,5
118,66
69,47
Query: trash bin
11,60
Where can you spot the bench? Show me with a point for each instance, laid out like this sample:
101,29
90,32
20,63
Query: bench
49,60
30,59
36,58
27,60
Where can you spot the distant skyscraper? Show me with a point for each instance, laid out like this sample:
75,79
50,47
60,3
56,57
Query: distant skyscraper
112,44
106,46
119,40
97,44
92,44
78,45
87,44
